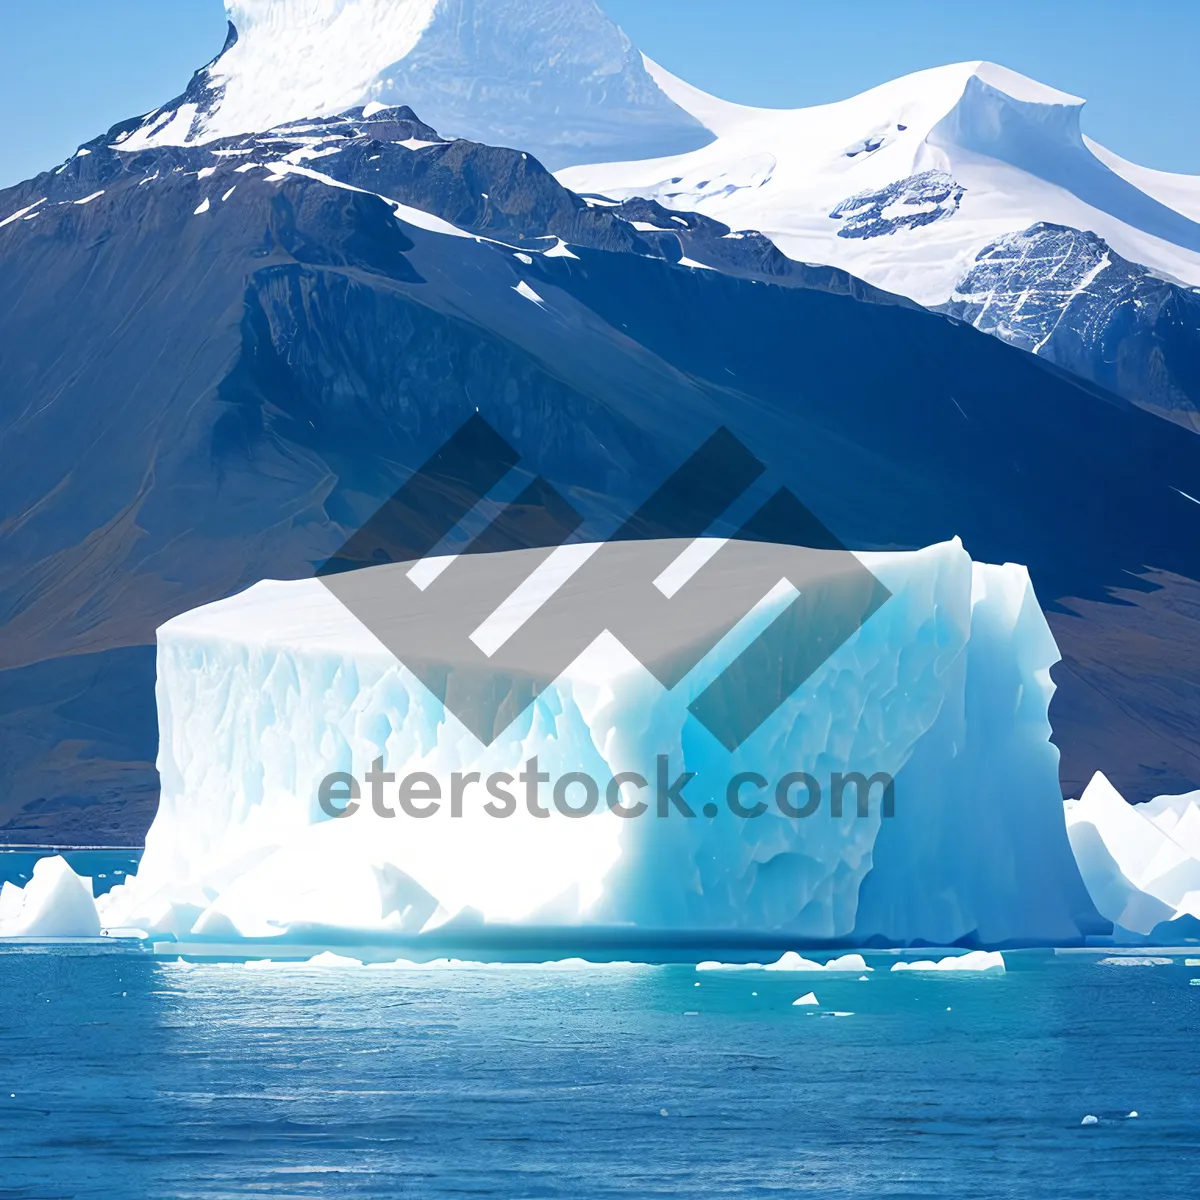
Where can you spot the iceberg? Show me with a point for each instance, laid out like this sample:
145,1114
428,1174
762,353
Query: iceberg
791,961
944,690
1141,863
54,903
980,962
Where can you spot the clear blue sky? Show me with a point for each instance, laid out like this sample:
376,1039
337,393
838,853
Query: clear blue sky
71,68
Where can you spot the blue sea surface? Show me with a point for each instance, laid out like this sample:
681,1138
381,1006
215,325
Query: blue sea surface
106,866
126,1076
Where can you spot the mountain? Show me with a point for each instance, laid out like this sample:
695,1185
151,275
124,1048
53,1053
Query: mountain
223,352
913,186
554,77
221,358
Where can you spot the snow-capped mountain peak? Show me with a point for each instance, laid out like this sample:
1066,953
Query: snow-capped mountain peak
905,183
554,77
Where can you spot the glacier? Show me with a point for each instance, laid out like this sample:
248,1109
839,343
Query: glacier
262,695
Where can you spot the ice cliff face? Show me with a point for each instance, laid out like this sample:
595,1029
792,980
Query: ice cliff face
946,687
553,77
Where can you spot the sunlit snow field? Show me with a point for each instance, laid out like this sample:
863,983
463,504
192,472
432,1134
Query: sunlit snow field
126,1076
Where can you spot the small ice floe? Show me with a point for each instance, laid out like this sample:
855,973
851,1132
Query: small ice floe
807,998
202,207
1132,1115
1191,962
523,289
1090,1120
979,962
523,257
1135,960
791,961
325,959
328,959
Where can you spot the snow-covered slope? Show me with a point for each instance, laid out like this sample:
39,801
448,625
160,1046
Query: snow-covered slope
905,183
262,695
553,77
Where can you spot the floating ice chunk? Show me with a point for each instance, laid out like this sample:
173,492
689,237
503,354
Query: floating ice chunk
791,961
1132,1115
202,207
522,257
1090,1120
523,289
329,959
1191,962
1141,863
807,998
977,961
54,903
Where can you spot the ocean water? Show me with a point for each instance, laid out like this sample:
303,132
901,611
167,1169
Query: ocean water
126,1076
106,866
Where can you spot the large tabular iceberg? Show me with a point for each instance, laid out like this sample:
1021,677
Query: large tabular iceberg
945,688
